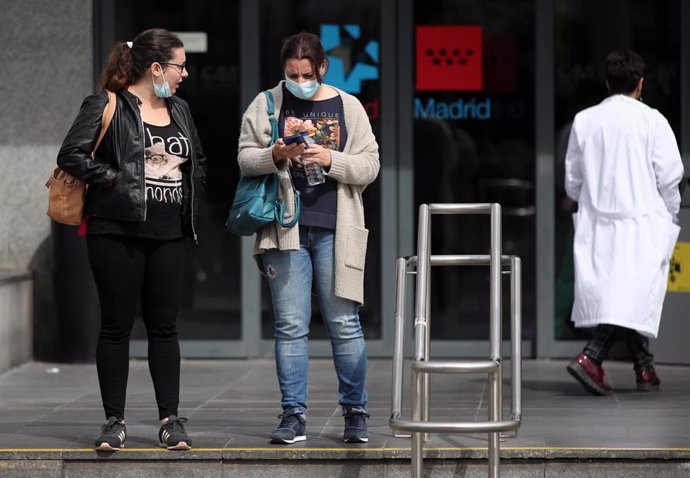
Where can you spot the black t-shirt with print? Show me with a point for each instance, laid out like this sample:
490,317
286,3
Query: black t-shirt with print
325,122
166,148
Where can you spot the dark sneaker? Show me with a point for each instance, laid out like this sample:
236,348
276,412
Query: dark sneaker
647,380
292,429
356,430
173,436
589,374
112,436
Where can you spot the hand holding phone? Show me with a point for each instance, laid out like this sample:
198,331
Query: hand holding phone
301,137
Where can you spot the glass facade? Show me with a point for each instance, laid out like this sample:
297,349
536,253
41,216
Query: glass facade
462,126
584,36
211,291
349,32
474,143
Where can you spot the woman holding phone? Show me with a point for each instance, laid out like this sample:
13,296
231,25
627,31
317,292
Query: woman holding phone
326,250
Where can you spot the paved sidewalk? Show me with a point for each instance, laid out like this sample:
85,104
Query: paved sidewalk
232,406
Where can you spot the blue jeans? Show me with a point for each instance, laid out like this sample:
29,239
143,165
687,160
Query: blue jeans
291,275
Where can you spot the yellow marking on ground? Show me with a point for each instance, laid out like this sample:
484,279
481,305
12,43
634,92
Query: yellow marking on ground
281,448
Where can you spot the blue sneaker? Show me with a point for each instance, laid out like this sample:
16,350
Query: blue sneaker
356,430
292,429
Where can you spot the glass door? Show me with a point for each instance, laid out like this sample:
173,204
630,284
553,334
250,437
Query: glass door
210,314
233,51
473,132
350,33
583,35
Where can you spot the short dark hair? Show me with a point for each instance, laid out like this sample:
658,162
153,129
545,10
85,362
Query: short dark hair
624,68
307,46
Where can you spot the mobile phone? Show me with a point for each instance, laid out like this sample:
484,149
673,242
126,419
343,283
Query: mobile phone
301,137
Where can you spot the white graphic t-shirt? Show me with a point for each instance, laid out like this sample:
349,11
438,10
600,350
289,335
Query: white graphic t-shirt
166,149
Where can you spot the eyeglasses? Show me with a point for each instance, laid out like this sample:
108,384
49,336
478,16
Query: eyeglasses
179,67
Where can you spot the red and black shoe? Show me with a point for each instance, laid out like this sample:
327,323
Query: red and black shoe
647,380
589,374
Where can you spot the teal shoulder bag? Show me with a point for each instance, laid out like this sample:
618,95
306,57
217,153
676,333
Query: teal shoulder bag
257,199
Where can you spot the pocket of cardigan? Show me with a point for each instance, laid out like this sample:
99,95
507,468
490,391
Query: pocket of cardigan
356,249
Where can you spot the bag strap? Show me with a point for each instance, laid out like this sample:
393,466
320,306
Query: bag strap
271,110
108,114
280,207
280,211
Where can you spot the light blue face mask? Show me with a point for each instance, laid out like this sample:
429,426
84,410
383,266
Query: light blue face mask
162,91
304,91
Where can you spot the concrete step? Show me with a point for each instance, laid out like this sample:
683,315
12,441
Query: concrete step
356,461
174,465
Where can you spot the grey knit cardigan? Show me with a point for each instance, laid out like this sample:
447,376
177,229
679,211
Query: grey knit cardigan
353,168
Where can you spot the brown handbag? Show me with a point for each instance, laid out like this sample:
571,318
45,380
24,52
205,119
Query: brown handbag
67,193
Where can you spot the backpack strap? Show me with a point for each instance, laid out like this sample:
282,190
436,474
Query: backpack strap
271,110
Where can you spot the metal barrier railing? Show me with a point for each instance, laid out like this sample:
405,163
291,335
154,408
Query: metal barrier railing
419,425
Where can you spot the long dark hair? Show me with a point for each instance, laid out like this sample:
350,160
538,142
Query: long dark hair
304,45
623,71
125,64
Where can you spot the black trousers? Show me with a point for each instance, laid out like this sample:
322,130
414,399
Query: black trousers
606,335
129,271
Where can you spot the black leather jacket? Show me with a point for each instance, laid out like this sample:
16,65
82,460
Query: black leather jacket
116,175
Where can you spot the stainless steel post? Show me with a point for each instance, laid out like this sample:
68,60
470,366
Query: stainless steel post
399,339
423,259
417,437
420,424
421,335
516,336
495,338
426,378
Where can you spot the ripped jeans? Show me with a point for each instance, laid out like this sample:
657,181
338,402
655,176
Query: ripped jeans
291,274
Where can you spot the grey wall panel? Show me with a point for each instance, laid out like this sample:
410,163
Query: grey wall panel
46,58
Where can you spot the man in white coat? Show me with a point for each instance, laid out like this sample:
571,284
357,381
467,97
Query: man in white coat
623,169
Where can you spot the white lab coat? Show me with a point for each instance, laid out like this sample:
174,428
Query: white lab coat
623,168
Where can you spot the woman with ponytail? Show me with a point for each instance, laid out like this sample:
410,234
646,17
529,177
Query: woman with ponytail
145,182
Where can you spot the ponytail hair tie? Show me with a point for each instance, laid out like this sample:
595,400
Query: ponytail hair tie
129,44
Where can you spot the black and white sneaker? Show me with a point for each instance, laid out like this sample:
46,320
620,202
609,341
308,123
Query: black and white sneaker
173,436
112,436
356,430
292,428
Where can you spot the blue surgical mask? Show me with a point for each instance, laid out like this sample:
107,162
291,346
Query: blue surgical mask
304,91
162,91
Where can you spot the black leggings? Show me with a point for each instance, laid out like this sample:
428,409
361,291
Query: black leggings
127,269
